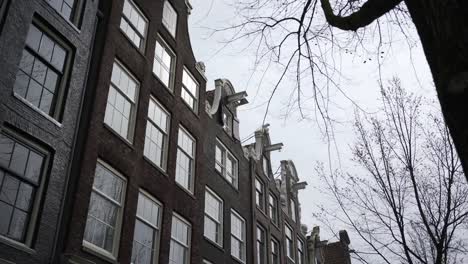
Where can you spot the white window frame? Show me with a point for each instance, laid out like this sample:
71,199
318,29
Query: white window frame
278,250
195,96
157,229
143,35
241,240
219,222
118,225
192,157
273,203
300,251
261,199
259,257
225,155
171,70
187,246
172,32
292,206
228,118
133,103
165,147
289,242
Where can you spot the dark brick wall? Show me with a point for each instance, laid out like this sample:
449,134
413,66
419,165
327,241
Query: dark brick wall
101,142
239,200
21,118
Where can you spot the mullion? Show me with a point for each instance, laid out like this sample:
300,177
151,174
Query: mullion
133,27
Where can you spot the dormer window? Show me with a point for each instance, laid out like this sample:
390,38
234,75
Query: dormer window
170,18
227,121
265,166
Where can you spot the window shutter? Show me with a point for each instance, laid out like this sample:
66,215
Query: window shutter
235,128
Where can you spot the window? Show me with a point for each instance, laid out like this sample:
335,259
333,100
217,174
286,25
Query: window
69,9
157,134
189,90
102,232
237,236
134,24
289,242
41,76
22,169
227,121
292,205
213,217
147,227
163,66
275,251
226,164
259,194
121,102
300,252
169,19
261,245
273,208
180,241
206,262
185,171
265,166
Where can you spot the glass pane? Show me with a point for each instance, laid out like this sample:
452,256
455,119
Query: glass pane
39,71
108,183
46,101
27,61
34,166
18,225
34,37
103,209
6,150
144,234
34,93
6,213
51,81
46,47
9,190
25,195
19,159
58,58
21,84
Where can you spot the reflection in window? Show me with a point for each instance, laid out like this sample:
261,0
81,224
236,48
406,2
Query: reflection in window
147,228
213,229
170,18
134,23
189,90
163,65
105,209
41,72
157,134
21,170
185,170
180,241
121,102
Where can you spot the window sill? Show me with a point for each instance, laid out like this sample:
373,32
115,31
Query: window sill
18,245
70,23
230,184
169,89
218,246
98,252
126,141
37,110
163,172
238,260
186,191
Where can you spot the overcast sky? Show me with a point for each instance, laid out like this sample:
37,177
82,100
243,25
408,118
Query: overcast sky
302,139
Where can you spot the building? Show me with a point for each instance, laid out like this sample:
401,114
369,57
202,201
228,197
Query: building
44,56
324,252
127,158
279,234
